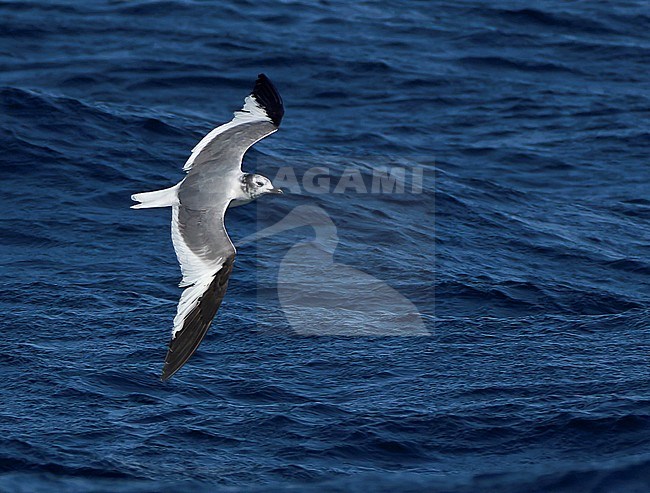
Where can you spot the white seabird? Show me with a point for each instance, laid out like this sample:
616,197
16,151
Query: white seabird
214,182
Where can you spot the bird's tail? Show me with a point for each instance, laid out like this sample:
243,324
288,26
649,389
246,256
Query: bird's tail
159,198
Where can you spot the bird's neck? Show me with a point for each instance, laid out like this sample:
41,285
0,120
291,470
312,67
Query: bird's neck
243,193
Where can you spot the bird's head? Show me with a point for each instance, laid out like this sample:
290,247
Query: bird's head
258,185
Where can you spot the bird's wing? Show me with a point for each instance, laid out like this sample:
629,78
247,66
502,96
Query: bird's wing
202,245
206,255
225,145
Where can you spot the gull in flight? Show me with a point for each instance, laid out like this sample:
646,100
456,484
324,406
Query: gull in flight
214,182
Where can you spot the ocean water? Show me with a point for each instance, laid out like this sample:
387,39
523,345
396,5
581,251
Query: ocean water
525,251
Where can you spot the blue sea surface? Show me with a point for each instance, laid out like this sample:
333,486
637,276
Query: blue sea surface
527,252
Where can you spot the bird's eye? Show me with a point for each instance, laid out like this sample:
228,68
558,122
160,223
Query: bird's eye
259,184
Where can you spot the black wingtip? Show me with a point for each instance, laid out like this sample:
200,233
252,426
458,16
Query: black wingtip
197,322
268,97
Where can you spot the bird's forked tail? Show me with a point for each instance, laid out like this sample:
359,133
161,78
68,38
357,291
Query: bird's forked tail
158,198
